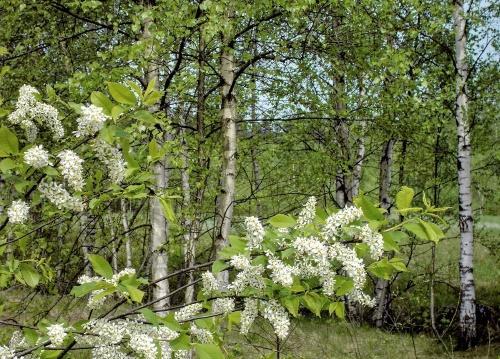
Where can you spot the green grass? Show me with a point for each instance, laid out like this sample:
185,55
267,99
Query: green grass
319,338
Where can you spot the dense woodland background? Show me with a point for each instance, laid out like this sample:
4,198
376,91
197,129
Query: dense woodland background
260,105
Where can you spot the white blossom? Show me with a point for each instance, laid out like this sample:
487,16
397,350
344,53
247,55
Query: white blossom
117,276
6,352
112,158
56,334
143,344
280,272
18,212
92,119
255,233
240,262
248,314
342,218
29,108
209,283
188,312
37,157
277,316
250,276
223,305
307,213
374,240
108,352
71,168
204,336
182,354
59,197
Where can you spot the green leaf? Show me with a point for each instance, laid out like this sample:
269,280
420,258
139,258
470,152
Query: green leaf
314,302
116,111
417,229
50,354
218,266
432,231
145,116
30,276
382,269
83,289
135,294
7,164
168,211
389,242
338,308
121,93
292,304
369,210
404,198
8,142
101,265
282,221
398,264
101,100
182,342
208,351
343,285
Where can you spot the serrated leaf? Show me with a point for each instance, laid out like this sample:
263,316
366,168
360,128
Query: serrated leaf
135,294
343,285
218,266
121,93
417,229
29,274
292,304
282,221
208,351
338,308
398,265
313,302
369,210
9,145
404,198
166,206
101,100
101,265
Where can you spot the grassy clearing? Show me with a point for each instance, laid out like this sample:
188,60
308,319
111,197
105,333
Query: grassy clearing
317,339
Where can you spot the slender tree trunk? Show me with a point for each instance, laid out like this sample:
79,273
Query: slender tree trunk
125,225
114,250
202,171
228,114
360,155
465,219
381,286
159,225
87,232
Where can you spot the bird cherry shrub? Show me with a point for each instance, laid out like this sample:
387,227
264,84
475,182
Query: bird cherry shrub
316,262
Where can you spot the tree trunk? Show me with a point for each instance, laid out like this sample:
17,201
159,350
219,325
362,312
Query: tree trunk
465,219
125,225
228,114
360,155
159,225
381,286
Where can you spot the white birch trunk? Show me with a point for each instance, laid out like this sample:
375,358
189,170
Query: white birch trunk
125,225
465,219
159,225
228,117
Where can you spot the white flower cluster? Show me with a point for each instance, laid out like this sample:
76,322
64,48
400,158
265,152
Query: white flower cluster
249,314
91,121
374,240
223,305
109,352
209,283
95,300
250,275
28,108
37,157
204,336
112,158
18,212
71,168
277,316
7,353
144,345
255,233
182,354
188,312
59,197
354,267
56,334
280,272
342,218
307,213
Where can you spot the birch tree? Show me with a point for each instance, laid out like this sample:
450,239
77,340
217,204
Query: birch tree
465,219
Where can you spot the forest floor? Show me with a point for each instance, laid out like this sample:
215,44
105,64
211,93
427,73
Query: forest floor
329,339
